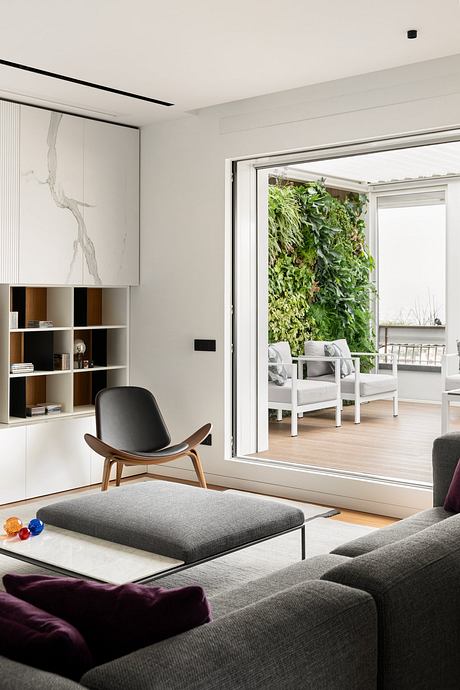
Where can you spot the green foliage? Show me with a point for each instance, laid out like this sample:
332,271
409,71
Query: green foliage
319,267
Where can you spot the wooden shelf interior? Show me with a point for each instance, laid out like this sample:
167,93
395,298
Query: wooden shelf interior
38,347
99,306
41,304
87,385
30,390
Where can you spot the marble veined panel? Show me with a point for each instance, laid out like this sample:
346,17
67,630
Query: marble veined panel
53,238
111,195
9,191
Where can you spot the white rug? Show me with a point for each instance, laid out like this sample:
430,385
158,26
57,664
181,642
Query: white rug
227,572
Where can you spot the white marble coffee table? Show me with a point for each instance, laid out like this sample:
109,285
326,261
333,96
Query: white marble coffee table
74,554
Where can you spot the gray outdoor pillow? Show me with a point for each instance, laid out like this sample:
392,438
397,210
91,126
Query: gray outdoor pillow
334,350
277,372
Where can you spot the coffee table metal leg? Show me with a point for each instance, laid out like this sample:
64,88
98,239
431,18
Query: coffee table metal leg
302,540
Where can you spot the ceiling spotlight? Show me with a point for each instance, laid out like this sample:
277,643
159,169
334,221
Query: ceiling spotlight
412,33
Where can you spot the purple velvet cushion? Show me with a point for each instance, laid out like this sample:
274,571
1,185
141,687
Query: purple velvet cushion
114,619
37,638
452,502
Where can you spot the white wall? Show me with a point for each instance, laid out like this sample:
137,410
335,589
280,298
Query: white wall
185,243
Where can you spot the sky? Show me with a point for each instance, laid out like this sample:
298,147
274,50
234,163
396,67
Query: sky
412,264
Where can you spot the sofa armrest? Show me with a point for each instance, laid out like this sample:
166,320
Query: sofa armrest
445,455
17,676
313,635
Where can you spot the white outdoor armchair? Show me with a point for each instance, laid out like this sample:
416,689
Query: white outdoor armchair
357,386
299,395
450,381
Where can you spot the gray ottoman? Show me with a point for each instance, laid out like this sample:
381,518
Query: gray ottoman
175,520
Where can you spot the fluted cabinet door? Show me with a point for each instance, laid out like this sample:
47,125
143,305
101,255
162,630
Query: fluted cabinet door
111,211
53,240
9,191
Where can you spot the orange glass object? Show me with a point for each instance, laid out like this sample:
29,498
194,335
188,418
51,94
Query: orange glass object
12,526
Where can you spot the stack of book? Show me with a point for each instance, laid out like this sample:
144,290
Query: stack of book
22,368
34,323
61,360
43,408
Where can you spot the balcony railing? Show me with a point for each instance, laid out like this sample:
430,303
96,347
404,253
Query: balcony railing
421,346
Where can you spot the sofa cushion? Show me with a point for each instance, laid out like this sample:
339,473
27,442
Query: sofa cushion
452,502
369,384
308,392
38,638
249,593
284,350
392,533
414,583
315,635
114,619
452,382
174,520
16,676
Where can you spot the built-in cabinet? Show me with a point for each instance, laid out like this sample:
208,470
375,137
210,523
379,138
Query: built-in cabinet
69,199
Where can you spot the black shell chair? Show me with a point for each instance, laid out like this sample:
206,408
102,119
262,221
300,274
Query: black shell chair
131,431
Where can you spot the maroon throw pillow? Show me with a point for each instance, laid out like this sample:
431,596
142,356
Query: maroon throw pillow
114,619
37,638
452,502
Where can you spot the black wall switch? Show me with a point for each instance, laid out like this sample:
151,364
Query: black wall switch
204,345
207,441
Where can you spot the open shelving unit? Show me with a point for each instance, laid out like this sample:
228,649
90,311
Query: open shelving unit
97,316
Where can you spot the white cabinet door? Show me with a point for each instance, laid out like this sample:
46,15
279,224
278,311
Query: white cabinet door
111,211
53,238
13,465
57,456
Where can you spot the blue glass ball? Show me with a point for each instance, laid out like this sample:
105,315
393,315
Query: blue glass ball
36,527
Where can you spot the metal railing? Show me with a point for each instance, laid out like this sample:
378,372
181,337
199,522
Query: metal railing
416,354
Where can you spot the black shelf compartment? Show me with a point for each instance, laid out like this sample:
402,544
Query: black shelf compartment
96,345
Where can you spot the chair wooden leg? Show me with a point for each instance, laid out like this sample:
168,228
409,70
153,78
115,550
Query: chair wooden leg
108,462
119,473
195,458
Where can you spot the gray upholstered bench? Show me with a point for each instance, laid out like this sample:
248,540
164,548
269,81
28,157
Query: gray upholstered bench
184,523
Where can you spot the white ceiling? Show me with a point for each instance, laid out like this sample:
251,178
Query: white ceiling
419,162
197,53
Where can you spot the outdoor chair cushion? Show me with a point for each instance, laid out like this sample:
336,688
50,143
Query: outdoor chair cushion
315,348
452,382
392,533
308,392
284,350
175,520
370,384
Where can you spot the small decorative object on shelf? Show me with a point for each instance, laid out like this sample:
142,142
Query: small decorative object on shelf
12,525
61,361
35,410
14,319
36,527
35,323
79,349
51,407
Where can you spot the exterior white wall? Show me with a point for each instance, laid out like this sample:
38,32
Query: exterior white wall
186,239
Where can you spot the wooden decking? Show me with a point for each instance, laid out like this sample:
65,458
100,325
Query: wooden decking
382,445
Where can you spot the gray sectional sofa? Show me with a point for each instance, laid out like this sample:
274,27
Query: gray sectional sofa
382,611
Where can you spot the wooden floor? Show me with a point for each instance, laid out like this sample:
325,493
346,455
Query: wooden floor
382,445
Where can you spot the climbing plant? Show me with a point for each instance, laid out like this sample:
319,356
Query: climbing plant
319,267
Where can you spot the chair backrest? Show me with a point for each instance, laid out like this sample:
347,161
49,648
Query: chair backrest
128,418
315,348
284,350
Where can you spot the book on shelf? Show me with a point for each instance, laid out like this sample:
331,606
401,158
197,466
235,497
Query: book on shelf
35,323
51,407
21,368
35,410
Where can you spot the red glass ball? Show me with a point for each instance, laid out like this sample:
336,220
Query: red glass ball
24,533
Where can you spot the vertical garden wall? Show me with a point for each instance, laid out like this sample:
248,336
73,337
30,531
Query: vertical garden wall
319,267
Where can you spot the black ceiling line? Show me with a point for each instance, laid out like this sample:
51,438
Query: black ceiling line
81,82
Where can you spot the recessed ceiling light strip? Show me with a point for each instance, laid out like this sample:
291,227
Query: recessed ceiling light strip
81,82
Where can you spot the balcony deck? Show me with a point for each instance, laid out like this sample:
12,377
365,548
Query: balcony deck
382,445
